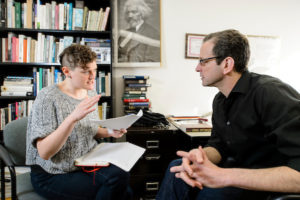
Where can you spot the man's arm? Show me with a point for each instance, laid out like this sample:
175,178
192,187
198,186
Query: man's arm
205,173
277,179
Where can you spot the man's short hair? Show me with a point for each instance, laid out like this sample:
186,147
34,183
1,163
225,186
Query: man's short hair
77,55
233,44
142,6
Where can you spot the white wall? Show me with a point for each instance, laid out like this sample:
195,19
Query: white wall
176,87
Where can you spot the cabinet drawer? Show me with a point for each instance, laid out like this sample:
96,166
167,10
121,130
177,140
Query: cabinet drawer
145,187
154,143
153,163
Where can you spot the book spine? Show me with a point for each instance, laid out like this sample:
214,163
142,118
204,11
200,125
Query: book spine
23,93
135,100
16,88
135,77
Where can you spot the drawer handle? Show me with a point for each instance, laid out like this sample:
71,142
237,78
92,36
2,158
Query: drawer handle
152,157
152,144
151,186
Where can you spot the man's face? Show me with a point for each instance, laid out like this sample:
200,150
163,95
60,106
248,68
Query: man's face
210,72
133,16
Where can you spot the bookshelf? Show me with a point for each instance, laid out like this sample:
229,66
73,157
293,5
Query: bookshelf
56,34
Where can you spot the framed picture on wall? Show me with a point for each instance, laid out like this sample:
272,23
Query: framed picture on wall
136,33
193,43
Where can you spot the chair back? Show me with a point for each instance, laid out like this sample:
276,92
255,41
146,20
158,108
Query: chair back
14,137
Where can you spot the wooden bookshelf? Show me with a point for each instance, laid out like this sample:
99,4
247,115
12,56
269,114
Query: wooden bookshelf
21,68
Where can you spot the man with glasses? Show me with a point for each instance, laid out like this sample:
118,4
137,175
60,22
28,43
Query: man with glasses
254,149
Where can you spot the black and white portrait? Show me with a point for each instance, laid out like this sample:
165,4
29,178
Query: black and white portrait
138,32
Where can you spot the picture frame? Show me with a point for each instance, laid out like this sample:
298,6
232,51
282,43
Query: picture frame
136,47
193,43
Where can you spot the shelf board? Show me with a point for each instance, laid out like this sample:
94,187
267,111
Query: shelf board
17,97
38,64
24,30
28,64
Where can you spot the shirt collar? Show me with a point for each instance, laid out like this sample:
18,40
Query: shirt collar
243,84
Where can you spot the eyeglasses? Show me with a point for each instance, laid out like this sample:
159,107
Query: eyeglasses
203,61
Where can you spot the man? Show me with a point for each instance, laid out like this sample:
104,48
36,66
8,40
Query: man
254,149
140,42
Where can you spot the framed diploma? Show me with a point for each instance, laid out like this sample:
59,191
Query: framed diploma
193,43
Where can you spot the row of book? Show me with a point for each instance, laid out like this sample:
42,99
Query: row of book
135,93
14,111
47,48
43,77
17,110
53,15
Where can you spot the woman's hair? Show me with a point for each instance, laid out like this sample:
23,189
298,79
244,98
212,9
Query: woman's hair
233,44
77,55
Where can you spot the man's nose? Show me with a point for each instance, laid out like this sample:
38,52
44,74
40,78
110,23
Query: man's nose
198,67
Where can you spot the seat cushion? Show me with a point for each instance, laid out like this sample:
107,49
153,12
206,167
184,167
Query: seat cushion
25,190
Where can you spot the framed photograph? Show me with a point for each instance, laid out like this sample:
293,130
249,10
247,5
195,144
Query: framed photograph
136,33
193,43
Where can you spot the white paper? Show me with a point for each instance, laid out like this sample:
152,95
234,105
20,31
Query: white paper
121,154
119,122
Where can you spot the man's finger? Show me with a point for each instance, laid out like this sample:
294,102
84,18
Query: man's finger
176,169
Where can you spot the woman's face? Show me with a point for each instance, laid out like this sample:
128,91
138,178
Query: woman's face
84,78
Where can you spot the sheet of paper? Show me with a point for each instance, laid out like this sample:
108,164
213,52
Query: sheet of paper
121,154
119,122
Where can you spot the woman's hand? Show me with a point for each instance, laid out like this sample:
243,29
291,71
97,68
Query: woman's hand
84,108
118,133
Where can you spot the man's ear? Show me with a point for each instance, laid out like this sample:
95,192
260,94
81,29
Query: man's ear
229,65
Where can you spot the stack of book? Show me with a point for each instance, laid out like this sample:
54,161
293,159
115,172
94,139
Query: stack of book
134,97
194,125
17,86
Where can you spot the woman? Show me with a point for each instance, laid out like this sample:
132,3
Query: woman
59,131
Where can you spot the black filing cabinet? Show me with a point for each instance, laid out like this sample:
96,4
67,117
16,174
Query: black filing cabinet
161,145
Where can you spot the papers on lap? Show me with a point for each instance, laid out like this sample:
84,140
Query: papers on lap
121,154
119,122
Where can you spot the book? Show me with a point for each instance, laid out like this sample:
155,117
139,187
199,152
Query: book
135,89
17,88
138,85
135,100
193,126
138,81
138,104
137,77
23,93
105,18
77,18
121,154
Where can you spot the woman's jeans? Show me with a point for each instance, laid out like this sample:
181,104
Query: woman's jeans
107,183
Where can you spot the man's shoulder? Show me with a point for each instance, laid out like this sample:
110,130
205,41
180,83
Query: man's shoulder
264,81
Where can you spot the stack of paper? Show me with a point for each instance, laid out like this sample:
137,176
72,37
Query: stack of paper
122,154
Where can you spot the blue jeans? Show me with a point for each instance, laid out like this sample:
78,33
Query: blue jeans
107,183
173,188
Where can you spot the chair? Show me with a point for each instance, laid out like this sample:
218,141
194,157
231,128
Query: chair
12,154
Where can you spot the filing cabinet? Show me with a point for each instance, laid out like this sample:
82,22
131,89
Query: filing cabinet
161,145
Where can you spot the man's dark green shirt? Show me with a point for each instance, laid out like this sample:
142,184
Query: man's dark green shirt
258,124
